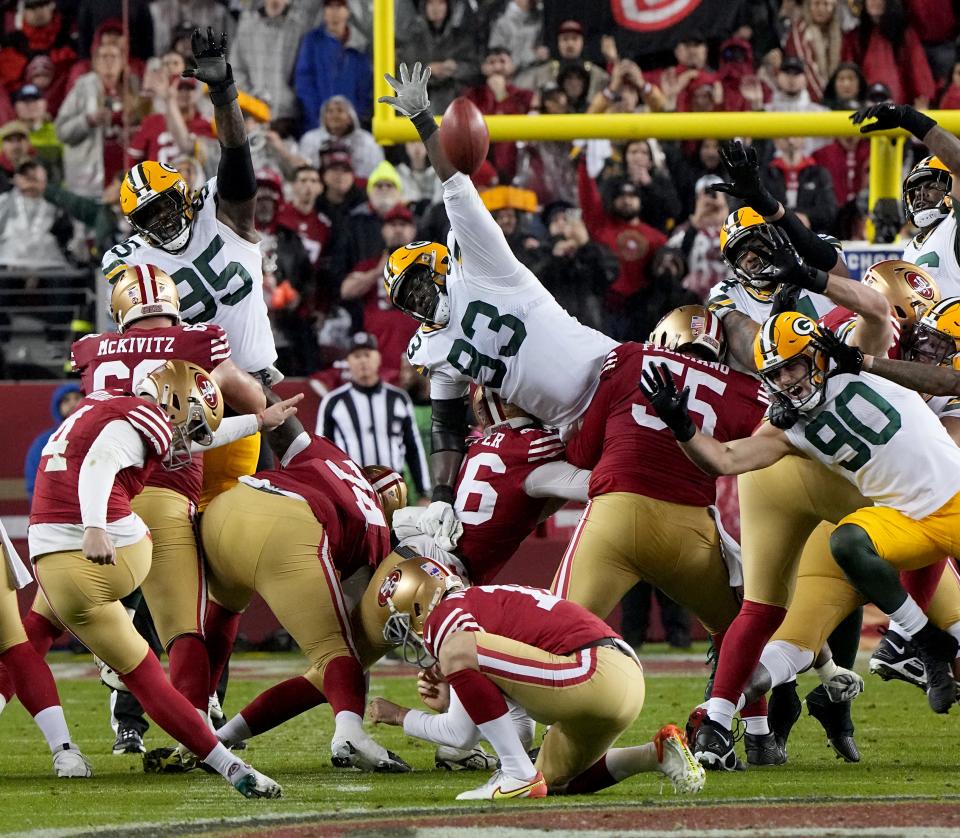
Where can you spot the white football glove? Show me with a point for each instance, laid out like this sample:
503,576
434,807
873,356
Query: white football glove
440,522
406,521
412,97
841,684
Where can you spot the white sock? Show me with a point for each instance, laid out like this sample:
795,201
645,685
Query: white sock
223,762
625,762
909,617
756,725
3,703
896,628
721,711
954,630
234,731
348,724
783,661
53,725
502,735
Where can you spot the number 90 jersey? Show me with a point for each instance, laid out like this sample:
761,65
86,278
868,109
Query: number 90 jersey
219,276
506,330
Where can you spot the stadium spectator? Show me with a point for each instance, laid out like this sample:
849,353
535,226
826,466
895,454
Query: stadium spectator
951,95
519,29
703,93
442,37
816,38
164,137
847,159
643,163
795,179
91,14
691,55
363,287
846,88
569,54
628,92
103,218
498,95
62,403
698,239
546,167
791,95
41,71
300,215
263,54
737,77
418,181
702,159
90,123
31,109
888,50
109,32
15,148
341,193
168,15
340,125
937,27
39,31
331,63
33,232
512,208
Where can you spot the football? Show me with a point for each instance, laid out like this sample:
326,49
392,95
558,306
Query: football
464,135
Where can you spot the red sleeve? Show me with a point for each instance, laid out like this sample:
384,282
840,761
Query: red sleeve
591,205
217,344
543,446
850,49
152,424
200,127
586,447
141,141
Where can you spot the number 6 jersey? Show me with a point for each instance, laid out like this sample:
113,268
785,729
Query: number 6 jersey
506,330
219,276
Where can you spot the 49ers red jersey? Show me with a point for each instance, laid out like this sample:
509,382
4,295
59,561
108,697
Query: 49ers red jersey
841,321
56,494
497,514
528,615
122,361
631,450
341,499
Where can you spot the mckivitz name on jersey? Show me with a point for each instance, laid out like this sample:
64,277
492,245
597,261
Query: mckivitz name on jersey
139,345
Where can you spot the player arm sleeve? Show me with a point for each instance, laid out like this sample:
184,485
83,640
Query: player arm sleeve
486,255
416,457
815,251
231,429
117,447
454,728
558,480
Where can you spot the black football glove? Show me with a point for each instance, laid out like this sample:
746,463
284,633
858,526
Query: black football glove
661,391
789,268
786,298
848,359
209,55
888,115
782,413
744,168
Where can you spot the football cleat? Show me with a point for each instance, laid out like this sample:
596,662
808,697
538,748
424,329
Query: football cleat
361,751
69,763
251,783
694,720
763,749
895,658
937,650
457,759
215,711
109,677
713,747
836,722
783,711
175,760
676,762
128,741
502,786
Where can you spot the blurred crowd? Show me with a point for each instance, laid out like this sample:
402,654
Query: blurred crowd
618,232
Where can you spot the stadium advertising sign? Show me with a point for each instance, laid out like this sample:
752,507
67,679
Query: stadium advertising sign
861,255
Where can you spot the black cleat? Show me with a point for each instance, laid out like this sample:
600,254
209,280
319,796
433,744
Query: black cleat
713,748
170,760
937,649
128,741
763,749
836,721
895,658
783,711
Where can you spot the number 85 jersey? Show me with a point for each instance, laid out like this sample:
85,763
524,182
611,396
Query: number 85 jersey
505,330
219,276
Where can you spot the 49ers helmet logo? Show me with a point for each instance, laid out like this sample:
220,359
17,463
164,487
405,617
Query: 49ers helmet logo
388,587
919,284
207,389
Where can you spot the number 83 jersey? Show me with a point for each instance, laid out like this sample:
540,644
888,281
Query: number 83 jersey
505,330
219,276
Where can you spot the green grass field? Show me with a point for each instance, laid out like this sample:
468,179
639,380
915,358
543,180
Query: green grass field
907,751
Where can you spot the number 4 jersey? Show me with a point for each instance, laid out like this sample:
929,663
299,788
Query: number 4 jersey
219,276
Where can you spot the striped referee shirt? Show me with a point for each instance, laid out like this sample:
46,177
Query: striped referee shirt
375,426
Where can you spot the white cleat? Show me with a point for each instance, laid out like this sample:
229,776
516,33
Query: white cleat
109,677
251,783
214,710
502,786
677,763
70,763
457,759
358,750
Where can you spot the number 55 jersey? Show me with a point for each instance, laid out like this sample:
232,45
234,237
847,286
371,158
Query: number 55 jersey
219,276
505,330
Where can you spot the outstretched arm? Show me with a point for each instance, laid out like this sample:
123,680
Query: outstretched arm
924,378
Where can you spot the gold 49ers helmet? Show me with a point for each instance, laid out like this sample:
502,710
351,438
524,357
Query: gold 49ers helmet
490,409
415,277
745,240
410,591
143,291
926,192
693,330
389,487
193,402
789,361
155,199
937,335
910,290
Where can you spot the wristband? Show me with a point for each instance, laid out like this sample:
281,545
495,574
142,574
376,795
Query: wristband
225,92
443,493
425,124
818,280
917,123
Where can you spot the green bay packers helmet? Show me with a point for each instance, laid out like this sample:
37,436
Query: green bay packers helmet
788,360
746,241
155,199
142,291
692,330
489,409
909,289
926,192
390,488
192,401
937,335
415,277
